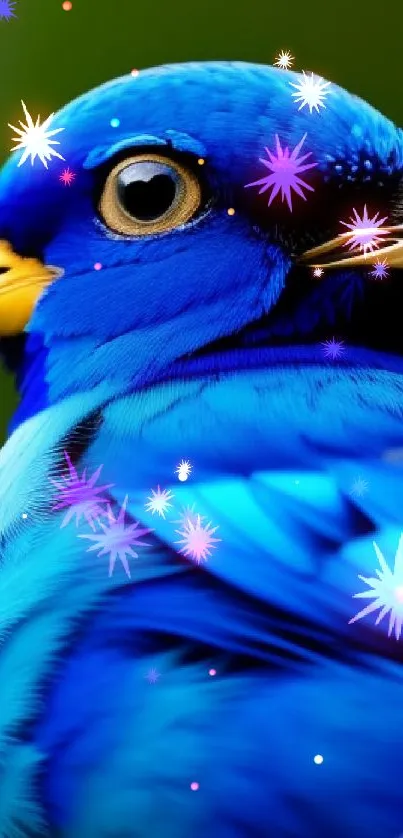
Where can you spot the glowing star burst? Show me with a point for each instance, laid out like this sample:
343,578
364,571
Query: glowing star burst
7,9
311,91
67,177
359,487
284,60
318,272
333,348
35,139
380,270
183,470
285,169
159,501
152,676
117,539
364,231
82,496
387,591
188,514
197,540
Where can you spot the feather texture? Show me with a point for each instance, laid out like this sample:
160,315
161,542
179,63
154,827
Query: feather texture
258,670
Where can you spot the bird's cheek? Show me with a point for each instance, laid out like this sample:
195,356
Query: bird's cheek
22,281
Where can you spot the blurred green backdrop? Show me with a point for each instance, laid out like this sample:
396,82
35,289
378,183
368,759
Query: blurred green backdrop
48,55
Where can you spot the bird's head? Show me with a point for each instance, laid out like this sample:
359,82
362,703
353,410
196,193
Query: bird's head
203,198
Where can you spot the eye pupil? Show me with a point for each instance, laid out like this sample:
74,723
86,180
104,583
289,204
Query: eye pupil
147,191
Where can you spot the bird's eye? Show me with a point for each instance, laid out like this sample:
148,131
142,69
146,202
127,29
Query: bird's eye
147,194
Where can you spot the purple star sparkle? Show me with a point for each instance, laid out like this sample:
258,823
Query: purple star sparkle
333,348
7,9
284,168
81,495
117,539
152,676
380,269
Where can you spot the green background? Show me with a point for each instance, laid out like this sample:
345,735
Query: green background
48,56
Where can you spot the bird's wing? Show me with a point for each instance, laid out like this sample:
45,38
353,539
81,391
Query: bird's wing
80,721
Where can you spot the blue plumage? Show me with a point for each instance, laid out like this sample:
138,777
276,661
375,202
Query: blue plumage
203,342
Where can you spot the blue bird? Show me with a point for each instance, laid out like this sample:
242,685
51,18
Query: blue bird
200,686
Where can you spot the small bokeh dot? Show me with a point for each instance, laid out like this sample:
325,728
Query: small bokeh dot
231,211
67,6
318,759
24,515
134,73
201,161
212,672
194,786
97,266
115,122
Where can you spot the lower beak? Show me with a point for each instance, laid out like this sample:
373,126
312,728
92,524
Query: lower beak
391,250
22,281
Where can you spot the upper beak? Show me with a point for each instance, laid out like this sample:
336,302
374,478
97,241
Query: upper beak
22,282
391,250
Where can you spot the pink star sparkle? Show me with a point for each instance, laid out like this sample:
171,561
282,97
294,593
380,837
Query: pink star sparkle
285,169
197,540
188,514
67,177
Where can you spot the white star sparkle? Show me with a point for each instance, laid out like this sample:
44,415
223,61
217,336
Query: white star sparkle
183,470
159,501
364,231
311,91
284,60
35,139
387,591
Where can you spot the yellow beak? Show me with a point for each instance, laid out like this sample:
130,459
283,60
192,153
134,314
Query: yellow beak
21,285
391,250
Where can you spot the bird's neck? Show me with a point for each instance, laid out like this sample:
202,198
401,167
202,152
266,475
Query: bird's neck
30,376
